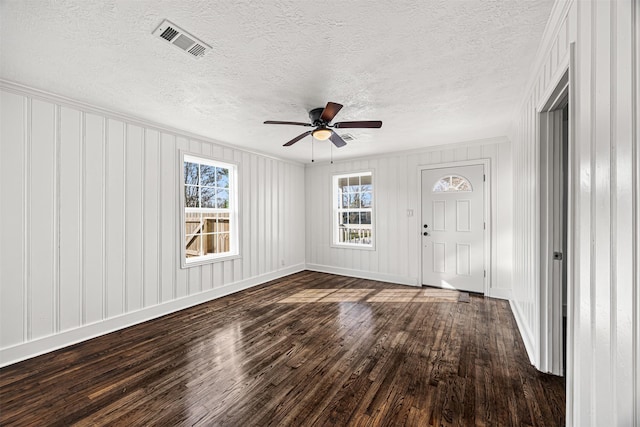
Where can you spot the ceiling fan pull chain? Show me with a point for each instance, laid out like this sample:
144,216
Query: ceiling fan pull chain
312,140
331,148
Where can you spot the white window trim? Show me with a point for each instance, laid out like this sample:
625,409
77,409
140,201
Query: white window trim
334,212
234,200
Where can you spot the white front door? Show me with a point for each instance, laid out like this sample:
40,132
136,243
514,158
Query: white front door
453,226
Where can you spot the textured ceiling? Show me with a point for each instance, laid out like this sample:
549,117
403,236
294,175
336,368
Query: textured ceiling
434,72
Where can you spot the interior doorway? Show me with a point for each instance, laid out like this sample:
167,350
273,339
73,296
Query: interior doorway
553,228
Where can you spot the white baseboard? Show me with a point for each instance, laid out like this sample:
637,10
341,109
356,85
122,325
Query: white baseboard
361,274
50,343
525,333
500,293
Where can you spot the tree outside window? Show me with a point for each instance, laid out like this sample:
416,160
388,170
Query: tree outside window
210,210
353,210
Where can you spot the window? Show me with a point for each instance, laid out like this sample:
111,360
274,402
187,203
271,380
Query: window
451,184
210,211
353,210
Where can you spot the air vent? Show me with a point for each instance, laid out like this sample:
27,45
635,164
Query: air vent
347,137
181,39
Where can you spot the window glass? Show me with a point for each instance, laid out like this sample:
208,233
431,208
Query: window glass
210,210
353,210
452,183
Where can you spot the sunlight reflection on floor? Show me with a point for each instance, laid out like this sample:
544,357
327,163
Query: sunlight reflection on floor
372,295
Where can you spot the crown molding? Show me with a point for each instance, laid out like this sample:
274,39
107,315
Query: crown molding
21,89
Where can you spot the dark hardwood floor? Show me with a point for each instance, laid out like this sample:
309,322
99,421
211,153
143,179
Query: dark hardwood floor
309,349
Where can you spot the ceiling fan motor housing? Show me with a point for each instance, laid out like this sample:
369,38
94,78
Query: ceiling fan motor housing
314,116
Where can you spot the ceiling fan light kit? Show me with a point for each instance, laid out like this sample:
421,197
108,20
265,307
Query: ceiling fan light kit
321,119
322,134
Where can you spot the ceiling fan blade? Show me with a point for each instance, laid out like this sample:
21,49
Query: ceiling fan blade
277,122
297,138
337,140
364,124
330,111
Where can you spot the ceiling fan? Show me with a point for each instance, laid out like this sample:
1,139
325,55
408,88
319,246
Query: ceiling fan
321,120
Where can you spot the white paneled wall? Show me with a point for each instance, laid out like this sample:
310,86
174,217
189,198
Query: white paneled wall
396,257
603,378
89,222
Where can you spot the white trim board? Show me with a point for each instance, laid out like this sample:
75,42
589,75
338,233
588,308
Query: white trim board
500,293
557,17
361,274
497,293
525,332
20,352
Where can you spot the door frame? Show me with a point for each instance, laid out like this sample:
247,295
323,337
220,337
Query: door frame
486,163
549,309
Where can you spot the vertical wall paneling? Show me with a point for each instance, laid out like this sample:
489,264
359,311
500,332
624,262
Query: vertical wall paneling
622,212
501,195
26,265
413,200
56,221
383,228
266,209
635,143
237,263
396,256
280,211
602,188
261,231
181,274
42,239
70,231
150,247
89,241
401,207
134,217
115,218
168,219
602,384
273,221
254,206
268,203
245,213
94,219
13,225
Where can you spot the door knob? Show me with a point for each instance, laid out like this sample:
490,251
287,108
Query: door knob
425,233
425,226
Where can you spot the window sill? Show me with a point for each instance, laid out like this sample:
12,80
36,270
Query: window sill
358,247
205,261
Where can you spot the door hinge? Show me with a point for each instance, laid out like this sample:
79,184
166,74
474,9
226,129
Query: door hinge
484,177
484,225
485,273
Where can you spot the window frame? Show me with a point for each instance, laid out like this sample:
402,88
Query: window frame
336,211
233,210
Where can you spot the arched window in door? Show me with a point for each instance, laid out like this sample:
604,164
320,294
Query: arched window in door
452,184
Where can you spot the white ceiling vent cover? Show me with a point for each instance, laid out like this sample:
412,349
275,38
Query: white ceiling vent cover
175,35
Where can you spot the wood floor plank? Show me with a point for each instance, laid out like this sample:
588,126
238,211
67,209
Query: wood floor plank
308,349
